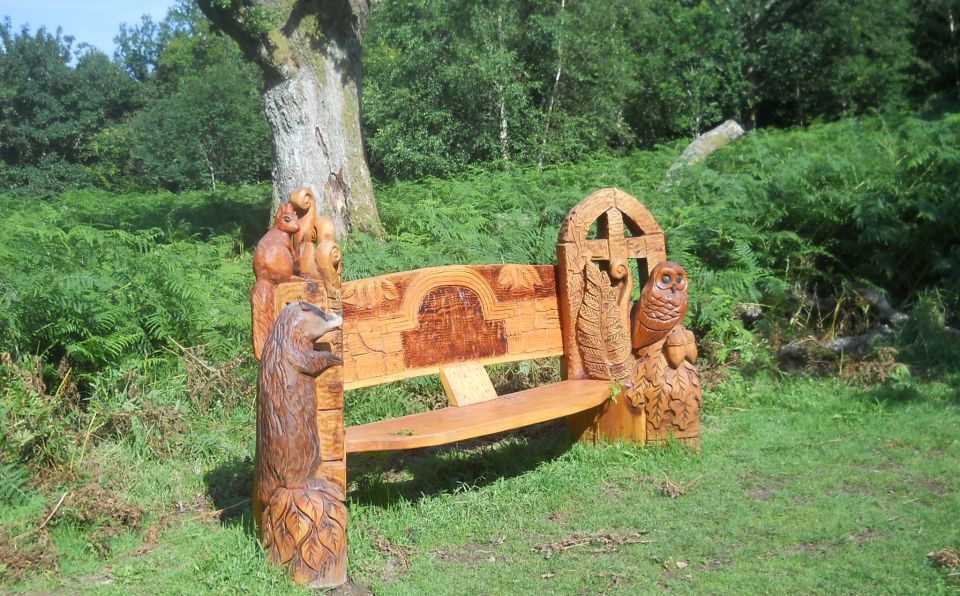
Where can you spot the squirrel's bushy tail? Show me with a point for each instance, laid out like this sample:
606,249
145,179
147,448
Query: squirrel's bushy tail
263,313
305,528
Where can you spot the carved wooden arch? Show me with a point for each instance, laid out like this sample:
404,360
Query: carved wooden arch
428,280
614,212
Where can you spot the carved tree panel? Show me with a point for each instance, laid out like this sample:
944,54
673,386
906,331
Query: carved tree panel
409,324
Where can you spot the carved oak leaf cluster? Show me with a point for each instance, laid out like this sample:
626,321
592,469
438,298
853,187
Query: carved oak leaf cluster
669,391
601,333
519,277
369,293
306,529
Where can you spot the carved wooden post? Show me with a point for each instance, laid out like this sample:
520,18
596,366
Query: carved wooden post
300,475
594,339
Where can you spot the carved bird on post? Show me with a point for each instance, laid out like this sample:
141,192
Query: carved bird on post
662,305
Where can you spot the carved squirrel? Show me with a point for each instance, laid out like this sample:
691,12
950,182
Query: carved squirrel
273,263
302,518
305,206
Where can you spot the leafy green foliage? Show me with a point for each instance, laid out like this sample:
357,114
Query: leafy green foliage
49,110
538,82
449,86
14,481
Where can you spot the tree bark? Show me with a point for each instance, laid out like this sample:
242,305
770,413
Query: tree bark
310,54
556,85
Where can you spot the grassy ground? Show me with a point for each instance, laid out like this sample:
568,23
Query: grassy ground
802,486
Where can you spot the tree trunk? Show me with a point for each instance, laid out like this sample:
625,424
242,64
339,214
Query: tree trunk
556,85
310,54
501,96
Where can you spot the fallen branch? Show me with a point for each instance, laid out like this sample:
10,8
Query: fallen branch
890,317
220,512
882,306
807,349
45,521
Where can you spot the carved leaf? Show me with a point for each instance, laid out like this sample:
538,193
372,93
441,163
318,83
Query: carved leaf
655,388
369,293
313,552
331,537
279,505
601,335
285,545
297,524
337,513
686,398
310,505
519,277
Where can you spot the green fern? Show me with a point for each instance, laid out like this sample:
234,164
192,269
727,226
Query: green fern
14,484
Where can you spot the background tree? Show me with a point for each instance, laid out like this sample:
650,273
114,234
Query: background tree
310,55
49,110
202,124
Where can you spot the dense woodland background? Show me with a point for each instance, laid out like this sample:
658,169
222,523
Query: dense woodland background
456,85
133,187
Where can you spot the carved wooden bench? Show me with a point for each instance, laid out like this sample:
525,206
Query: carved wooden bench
628,372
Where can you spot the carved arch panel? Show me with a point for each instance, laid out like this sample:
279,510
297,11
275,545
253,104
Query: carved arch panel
615,213
409,324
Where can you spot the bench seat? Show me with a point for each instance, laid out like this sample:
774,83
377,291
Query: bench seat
452,424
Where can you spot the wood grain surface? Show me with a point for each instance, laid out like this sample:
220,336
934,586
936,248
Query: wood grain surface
466,384
507,412
409,324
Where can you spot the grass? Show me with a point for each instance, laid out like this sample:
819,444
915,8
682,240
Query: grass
809,485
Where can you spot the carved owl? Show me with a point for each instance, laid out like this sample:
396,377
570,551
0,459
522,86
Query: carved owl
662,305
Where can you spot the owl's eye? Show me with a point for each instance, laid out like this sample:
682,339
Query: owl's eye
679,279
666,278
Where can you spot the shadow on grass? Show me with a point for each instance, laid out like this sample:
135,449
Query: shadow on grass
230,486
892,393
383,479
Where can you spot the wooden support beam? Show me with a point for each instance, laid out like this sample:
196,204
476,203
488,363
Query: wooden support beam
467,383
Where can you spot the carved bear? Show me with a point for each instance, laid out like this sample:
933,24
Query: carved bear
302,518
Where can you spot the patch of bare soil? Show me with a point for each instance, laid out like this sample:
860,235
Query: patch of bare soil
352,588
601,541
817,547
947,558
761,489
762,493
937,488
472,552
397,556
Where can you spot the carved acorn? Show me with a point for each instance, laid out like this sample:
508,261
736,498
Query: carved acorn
680,346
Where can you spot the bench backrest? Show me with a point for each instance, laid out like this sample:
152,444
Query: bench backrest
410,324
